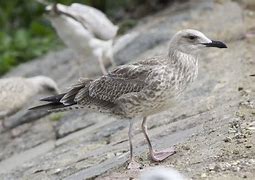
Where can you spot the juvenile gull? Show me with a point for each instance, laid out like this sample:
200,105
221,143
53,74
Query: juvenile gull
16,91
84,29
140,89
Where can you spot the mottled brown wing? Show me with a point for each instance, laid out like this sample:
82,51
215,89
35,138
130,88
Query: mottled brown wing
123,80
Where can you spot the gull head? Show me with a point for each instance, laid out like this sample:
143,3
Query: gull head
44,84
191,41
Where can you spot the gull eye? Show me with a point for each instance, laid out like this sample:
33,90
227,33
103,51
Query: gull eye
192,37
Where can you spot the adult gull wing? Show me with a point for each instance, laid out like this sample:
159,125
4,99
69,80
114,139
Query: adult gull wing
92,19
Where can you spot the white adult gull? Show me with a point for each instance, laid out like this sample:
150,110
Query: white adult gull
140,89
16,92
85,30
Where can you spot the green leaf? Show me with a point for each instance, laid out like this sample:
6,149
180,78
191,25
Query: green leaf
5,41
21,39
39,29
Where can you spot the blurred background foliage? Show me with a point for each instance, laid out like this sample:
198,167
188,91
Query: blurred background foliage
25,33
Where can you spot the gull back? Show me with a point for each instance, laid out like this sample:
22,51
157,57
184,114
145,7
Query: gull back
95,20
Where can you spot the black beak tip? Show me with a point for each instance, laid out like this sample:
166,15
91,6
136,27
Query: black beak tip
222,45
217,44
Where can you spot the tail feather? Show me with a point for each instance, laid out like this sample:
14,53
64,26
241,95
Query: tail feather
62,102
48,107
77,97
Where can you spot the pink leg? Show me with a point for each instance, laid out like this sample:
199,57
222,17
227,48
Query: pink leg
156,155
132,163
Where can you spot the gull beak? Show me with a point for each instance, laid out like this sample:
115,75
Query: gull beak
217,44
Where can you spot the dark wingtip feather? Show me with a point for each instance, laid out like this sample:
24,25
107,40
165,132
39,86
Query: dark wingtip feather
44,107
47,107
54,99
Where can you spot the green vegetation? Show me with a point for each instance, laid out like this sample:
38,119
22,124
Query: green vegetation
24,44
24,34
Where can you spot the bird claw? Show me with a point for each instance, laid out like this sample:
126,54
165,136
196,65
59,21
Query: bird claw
159,156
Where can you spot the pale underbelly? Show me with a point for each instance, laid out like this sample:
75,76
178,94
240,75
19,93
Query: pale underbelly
159,108
149,108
